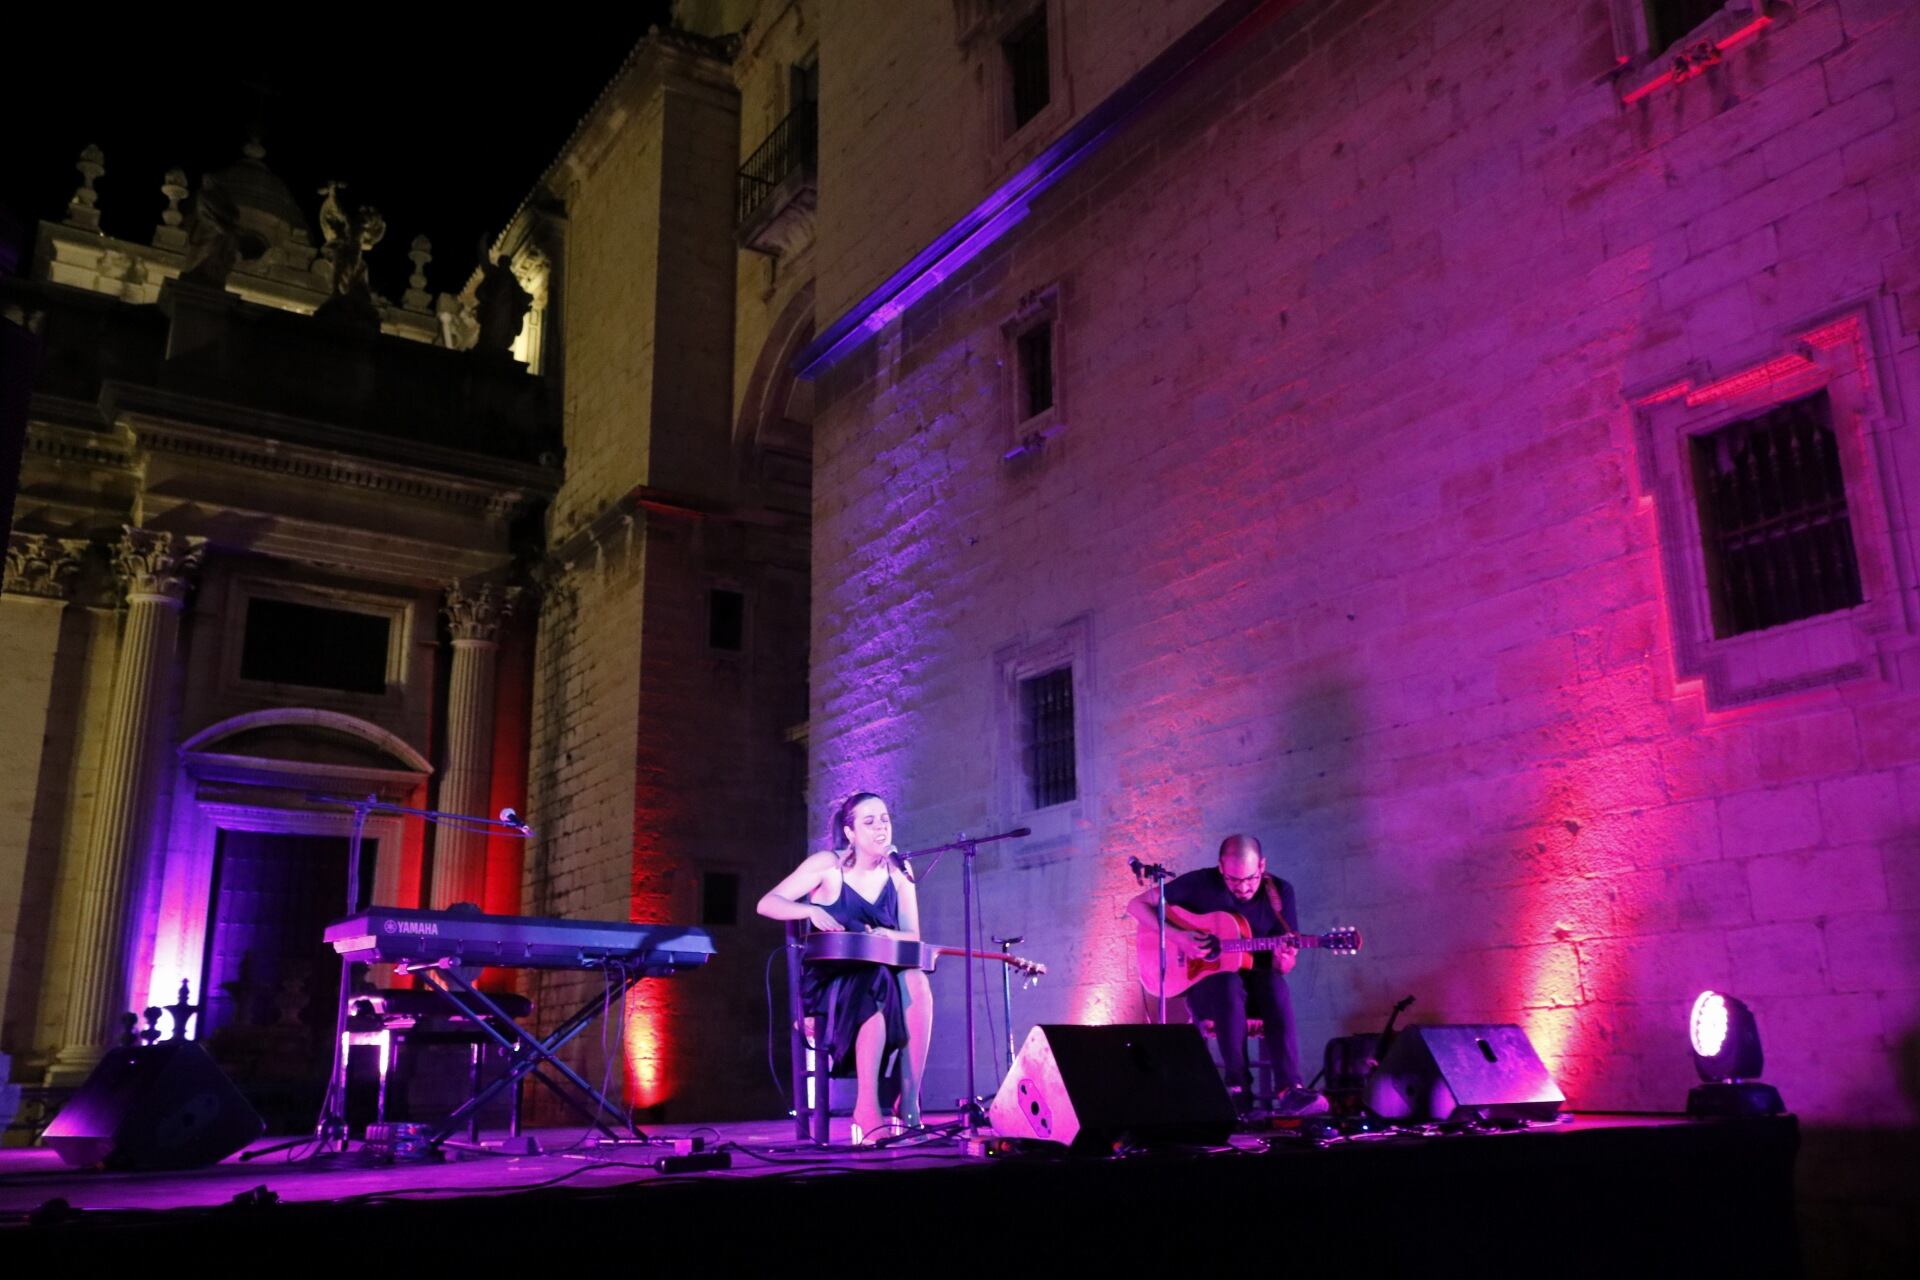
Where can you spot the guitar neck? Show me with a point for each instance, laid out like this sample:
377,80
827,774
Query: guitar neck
976,955
1271,944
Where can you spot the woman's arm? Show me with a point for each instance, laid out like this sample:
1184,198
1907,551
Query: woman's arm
909,906
788,899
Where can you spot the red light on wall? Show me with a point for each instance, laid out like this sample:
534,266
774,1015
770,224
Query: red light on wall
1693,60
1780,369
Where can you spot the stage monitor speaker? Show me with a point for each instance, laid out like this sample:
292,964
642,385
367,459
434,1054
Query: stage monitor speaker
1450,1072
1089,1087
163,1106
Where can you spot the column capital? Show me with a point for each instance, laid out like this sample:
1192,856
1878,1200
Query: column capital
476,610
158,564
44,566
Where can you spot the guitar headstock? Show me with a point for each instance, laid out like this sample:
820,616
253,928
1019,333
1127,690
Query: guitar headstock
1031,971
1342,940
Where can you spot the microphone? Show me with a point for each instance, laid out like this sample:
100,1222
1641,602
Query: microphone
512,818
906,868
1139,870
1018,832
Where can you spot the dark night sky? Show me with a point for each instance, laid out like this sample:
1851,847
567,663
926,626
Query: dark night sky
444,129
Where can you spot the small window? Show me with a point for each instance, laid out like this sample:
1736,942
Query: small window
320,648
1034,350
1669,20
720,897
726,620
1046,716
1773,519
1025,50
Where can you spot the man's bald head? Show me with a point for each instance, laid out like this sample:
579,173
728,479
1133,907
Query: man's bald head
1241,866
1244,846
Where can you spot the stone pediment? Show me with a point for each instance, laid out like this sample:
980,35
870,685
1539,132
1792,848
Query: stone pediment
302,747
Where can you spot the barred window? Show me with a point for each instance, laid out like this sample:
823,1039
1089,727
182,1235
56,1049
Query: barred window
1046,714
1777,536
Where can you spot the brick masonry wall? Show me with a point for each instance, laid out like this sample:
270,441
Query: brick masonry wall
1346,495
654,759
586,701
900,94
613,232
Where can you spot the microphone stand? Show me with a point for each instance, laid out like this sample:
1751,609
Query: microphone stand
1158,873
1006,988
331,1126
972,1115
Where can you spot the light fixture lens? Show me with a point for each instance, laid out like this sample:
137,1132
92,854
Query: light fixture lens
1708,1025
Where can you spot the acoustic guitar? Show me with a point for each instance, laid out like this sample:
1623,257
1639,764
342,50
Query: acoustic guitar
1237,947
900,953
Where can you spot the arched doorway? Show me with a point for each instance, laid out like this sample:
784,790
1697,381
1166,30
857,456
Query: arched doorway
255,868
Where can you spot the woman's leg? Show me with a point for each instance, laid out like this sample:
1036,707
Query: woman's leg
919,1037
866,1067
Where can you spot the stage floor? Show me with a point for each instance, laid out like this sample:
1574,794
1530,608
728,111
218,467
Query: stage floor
1583,1196
572,1157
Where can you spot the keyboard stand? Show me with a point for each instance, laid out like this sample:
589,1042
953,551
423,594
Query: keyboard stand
526,1052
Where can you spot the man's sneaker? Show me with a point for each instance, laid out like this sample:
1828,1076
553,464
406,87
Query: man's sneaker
1300,1102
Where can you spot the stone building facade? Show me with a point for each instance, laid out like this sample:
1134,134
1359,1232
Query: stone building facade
257,556
1317,420
669,696
1468,445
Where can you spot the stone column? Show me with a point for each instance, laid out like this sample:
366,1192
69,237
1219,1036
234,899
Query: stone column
158,568
474,614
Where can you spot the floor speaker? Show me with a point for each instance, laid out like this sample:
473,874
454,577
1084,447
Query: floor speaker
1450,1072
163,1106
1089,1087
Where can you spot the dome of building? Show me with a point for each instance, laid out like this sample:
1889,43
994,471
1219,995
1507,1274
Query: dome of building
267,206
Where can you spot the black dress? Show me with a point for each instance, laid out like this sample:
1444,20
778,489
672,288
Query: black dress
854,992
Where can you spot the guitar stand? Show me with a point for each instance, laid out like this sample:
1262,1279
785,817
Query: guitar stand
526,1052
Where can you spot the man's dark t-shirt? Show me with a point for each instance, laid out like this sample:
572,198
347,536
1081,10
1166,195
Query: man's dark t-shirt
1206,890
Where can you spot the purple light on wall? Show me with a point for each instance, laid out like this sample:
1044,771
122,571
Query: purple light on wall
1007,203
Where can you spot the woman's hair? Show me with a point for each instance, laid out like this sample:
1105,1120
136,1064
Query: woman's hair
843,817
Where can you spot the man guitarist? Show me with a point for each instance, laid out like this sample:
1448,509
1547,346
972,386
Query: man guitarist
1239,884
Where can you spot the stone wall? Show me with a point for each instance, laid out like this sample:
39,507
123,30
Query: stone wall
1351,529
658,760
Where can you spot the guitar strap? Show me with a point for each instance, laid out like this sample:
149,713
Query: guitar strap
1272,887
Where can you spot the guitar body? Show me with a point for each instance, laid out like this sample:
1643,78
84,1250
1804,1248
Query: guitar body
1237,947
901,953
1181,974
869,948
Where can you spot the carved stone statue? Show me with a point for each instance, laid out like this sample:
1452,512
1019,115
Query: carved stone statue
348,237
216,242
500,303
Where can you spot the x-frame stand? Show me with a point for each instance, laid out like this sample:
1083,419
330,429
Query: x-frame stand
526,1052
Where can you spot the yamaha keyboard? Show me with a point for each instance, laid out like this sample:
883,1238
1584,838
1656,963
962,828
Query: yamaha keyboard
400,935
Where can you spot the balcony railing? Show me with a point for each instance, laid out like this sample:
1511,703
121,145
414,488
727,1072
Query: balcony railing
791,149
